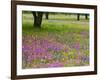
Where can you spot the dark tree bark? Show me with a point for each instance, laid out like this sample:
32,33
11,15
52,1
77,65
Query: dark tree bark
47,15
78,17
37,19
86,16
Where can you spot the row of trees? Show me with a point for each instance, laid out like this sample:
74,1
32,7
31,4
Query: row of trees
38,18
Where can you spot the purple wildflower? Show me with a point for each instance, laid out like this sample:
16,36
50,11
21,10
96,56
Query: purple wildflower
37,51
29,59
76,46
49,56
85,58
56,64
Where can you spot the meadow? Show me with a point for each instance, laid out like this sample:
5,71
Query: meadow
62,41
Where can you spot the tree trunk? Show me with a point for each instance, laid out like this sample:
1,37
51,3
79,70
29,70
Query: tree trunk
86,16
78,17
47,15
37,19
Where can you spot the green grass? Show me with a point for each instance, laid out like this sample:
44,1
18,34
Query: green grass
53,27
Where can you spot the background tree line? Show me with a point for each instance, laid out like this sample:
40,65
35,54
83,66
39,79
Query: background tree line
37,16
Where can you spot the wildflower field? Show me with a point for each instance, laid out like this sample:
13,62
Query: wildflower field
62,41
